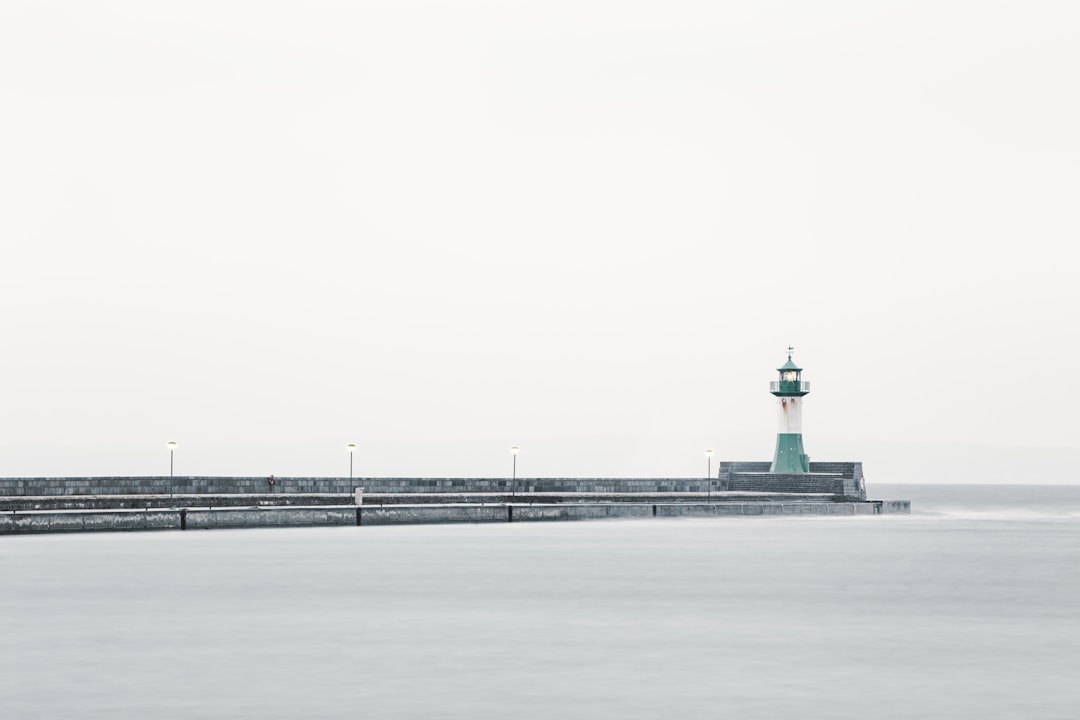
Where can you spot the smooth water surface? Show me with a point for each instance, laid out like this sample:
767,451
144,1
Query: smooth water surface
968,608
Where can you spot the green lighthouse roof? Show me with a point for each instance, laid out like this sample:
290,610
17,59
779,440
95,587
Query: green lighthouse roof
788,365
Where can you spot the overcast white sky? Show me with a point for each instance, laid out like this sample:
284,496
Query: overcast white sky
590,229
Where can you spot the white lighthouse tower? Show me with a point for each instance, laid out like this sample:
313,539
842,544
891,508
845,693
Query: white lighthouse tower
789,390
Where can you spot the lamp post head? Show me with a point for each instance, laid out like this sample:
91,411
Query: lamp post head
171,445
708,453
351,447
514,450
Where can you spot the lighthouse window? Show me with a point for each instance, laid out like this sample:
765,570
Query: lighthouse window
789,376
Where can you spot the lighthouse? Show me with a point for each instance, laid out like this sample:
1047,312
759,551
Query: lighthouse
790,458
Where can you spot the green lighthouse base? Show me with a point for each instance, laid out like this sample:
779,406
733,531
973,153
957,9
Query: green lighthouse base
789,457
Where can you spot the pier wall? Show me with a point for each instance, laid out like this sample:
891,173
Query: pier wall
252,517
309,485
832,478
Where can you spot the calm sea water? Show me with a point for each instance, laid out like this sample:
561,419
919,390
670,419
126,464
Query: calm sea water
968,608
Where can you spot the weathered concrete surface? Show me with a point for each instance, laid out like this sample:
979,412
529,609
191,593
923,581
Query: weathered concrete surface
837,478
842,479
143,502
432,514
46,522
533,513
321,485
253,517
269,517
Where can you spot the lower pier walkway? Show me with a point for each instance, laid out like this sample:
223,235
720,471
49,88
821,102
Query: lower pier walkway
50,514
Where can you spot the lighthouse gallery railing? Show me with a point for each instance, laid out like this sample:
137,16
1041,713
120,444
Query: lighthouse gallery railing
788,386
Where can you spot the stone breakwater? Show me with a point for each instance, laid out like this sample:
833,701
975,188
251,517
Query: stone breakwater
26,503
207,518
203,485
838,479
35,505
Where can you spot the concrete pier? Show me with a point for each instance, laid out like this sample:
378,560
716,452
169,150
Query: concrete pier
207,518
843,479
43,505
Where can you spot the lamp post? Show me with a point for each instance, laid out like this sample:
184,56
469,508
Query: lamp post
708,471
172,450
513,482
352,449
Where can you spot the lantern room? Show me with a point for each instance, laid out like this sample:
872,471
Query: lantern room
790,383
